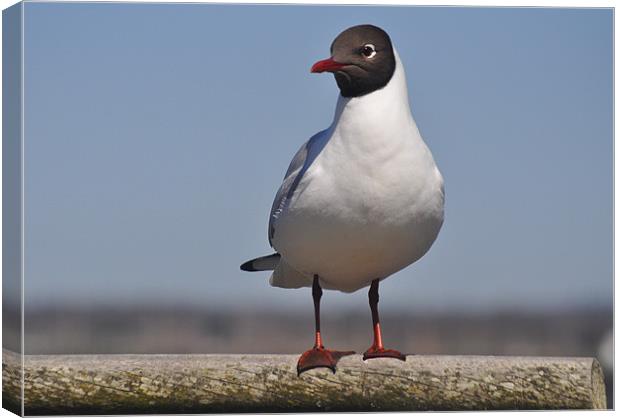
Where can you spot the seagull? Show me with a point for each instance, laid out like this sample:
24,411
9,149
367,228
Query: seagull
361,199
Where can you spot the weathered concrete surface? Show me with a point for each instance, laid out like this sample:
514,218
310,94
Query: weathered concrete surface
114,384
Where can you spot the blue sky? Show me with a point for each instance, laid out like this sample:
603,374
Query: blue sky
157,135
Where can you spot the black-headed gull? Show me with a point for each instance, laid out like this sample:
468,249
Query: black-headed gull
362,199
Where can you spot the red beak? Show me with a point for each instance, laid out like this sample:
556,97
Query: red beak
326,65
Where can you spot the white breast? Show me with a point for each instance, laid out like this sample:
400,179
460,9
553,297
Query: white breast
371,202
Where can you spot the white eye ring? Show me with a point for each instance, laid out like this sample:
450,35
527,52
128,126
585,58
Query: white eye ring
369,51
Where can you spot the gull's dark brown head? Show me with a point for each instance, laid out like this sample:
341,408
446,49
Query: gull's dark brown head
362,60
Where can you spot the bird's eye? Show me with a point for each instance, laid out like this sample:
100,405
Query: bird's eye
368,50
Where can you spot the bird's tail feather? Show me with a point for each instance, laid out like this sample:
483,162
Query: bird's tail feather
267,262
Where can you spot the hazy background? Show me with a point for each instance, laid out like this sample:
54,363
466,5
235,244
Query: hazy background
157,135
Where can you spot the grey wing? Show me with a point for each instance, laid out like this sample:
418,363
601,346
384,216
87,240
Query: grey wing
295,172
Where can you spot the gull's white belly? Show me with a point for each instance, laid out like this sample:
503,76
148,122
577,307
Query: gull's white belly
351,228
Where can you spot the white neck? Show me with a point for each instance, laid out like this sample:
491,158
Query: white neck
379,110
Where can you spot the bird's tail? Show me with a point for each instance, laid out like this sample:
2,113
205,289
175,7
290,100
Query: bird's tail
267,262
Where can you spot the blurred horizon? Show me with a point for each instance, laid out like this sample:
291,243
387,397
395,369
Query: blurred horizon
303,301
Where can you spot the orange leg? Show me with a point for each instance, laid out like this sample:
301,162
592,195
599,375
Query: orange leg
318,356
377,350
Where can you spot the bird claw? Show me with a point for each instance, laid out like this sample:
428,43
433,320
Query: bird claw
320,357
374,352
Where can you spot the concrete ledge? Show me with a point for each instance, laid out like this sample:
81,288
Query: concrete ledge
211,383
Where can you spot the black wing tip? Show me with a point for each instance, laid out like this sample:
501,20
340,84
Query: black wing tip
248,266
257,264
